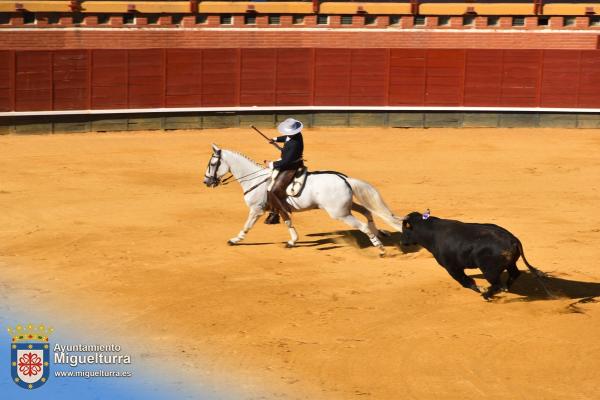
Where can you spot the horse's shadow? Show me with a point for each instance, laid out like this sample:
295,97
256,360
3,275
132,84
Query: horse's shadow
356,238
334,240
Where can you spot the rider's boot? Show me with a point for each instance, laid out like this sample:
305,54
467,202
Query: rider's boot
276,195
272,218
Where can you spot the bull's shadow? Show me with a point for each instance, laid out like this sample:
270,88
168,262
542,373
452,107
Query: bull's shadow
529,288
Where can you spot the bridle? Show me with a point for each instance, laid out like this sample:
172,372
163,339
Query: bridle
214,180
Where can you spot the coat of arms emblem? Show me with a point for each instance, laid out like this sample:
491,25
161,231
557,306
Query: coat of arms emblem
30,355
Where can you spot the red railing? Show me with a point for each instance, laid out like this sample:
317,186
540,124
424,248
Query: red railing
175,78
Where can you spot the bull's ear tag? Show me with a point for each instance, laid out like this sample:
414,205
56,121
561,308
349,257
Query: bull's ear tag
426,214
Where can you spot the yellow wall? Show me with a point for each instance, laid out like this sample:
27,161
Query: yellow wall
300,7
371,8
36,6
569,9
481,9
154,7
235,7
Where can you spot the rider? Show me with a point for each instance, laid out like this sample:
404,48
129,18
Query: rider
285,168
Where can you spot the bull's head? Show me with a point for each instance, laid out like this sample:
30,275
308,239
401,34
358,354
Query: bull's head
410,227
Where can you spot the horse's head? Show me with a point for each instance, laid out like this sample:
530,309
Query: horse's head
216,168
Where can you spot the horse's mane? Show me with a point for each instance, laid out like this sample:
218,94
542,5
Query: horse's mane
246,157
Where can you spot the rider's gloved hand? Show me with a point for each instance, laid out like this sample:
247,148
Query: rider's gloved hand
269,164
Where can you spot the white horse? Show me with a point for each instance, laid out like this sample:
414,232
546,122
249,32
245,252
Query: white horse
330,191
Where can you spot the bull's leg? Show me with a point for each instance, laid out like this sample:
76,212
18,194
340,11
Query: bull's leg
370,222
492,275
466,281
253,216
513,274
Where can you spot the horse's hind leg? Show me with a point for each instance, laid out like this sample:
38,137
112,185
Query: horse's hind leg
355,223
252,218
370,222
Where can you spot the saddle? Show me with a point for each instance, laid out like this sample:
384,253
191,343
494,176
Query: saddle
295,188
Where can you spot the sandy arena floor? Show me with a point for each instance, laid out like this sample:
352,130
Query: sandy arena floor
120,227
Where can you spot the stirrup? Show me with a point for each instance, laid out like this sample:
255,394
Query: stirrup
272,218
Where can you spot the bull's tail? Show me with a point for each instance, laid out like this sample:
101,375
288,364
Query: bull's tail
539,275
369,197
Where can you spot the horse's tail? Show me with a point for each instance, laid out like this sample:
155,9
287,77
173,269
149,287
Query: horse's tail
369,197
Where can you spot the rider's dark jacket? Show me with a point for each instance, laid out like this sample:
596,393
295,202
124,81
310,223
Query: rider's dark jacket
291,155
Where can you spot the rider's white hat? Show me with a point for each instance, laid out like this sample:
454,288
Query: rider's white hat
290,127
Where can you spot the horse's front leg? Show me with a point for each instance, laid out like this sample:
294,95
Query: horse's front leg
253,216
293,234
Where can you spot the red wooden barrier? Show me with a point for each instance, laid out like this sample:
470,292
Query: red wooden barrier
483,78
258,77
183,78
33,81
560,79
295,77
109,79
70,80
6,80
407,77
368,77
589,79
156,78
445,72
332,77
146,75
521,78
220,77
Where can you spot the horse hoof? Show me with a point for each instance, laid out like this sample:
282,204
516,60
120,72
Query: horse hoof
487,296
231,242
478,289
289,245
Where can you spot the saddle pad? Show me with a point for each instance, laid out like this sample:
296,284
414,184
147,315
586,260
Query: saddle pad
295,188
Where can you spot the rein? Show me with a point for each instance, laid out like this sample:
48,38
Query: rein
255,186
232,178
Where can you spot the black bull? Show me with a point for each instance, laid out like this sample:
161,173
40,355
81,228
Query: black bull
457,245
